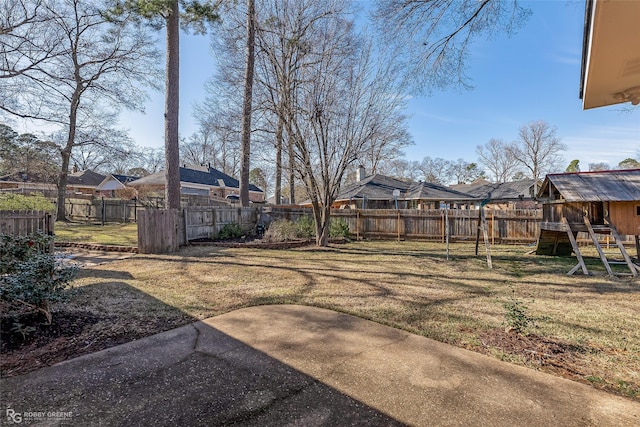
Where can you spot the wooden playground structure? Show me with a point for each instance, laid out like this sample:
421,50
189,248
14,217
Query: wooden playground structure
596,203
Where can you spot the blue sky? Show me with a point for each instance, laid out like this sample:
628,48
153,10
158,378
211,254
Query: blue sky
534,75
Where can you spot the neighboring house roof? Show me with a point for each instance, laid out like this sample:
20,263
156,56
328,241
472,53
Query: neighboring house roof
213,178
381,187
125,179
115,182
86,178
600,186
431,191
374,187
504,190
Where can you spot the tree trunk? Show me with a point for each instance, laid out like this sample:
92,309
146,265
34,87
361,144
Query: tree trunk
321,216
62,184
65,153
246,106
292,165
278,183
171,108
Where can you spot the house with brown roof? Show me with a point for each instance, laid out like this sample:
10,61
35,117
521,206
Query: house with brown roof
384,192
78,183
198,180
519,194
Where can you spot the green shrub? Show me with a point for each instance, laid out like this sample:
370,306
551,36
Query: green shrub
339,229
231,231
306,227
17,202
29,277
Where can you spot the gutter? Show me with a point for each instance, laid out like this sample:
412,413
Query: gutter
586,39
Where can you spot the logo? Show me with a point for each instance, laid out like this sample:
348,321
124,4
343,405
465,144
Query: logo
13,416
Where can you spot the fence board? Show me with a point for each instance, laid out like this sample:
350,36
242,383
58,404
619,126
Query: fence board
159,231
22,223
206,222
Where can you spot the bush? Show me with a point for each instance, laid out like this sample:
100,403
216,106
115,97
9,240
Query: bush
231,231
29,277
281,231
339,229
18,202
306,227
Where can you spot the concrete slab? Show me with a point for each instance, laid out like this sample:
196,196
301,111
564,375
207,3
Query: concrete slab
88,258
294,365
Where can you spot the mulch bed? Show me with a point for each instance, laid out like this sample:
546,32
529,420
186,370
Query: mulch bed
71,334
544,353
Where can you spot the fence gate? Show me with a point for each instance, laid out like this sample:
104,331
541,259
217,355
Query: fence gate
159,231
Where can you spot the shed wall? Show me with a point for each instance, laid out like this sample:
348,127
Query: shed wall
624,216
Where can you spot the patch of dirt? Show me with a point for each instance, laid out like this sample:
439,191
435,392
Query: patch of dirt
548,354
71,334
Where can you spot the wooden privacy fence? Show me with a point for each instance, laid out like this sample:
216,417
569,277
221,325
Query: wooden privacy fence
103,210
206,222
159,231
504,226
22,223
191,223
163,231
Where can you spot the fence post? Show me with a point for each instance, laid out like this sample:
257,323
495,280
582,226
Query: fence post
103,211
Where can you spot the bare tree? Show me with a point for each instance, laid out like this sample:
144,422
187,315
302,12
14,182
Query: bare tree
498,158
436,170
538,149
463,172
26,39
432,39
341,106
403,169
102,67
599,166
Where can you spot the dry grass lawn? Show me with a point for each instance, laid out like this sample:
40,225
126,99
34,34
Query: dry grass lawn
584,328
108,234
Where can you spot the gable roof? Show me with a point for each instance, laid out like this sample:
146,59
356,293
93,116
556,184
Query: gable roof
600,186
502,190
125,179
431,191
86,178
381,187
374,187
211,178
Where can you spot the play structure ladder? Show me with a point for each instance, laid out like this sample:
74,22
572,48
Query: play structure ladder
608,228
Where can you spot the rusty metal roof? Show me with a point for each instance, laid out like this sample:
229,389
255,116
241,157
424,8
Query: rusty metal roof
600,186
